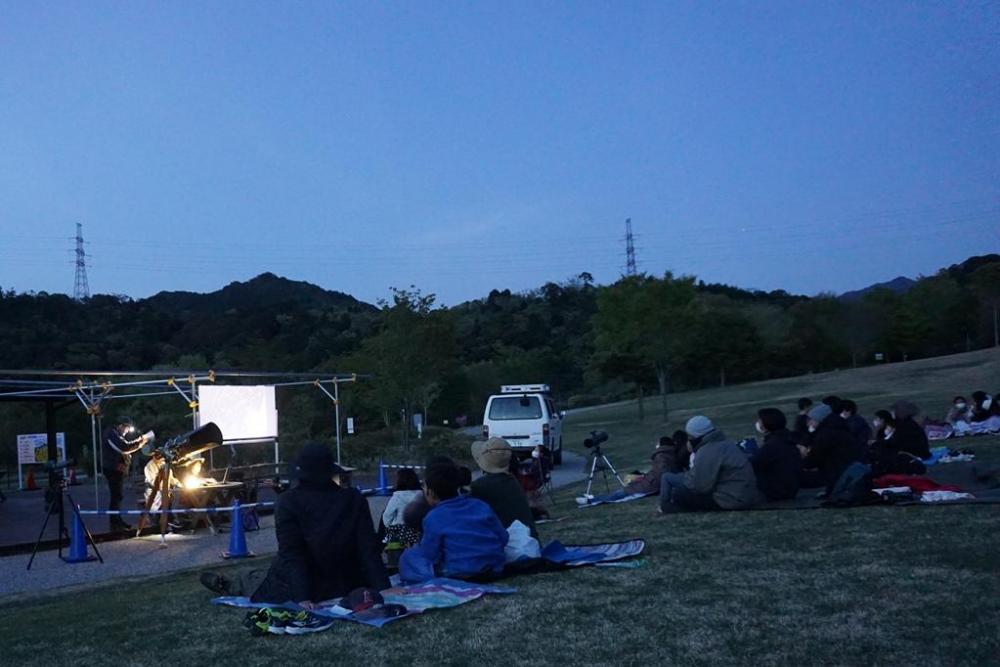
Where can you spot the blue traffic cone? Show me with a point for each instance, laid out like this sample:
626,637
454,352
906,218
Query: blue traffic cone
78,543
383,483
237,538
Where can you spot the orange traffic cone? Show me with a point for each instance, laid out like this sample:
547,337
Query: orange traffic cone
31,486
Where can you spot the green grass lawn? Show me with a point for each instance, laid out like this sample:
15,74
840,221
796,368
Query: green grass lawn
873,585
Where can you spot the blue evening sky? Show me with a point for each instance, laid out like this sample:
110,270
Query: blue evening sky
464,146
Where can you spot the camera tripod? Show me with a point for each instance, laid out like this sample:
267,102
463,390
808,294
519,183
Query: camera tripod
596,456
57,489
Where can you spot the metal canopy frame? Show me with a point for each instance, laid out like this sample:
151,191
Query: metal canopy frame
93,388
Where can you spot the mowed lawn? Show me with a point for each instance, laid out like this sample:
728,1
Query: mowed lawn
874,585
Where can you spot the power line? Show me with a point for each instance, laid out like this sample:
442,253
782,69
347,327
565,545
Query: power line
81,288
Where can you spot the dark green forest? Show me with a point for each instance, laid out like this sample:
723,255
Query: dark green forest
644,335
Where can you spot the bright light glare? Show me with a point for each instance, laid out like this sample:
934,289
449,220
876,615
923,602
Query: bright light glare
193,482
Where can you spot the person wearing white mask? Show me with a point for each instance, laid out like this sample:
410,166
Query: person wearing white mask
828,449
959,411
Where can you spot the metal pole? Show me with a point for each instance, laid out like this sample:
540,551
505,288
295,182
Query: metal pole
336,408
93,447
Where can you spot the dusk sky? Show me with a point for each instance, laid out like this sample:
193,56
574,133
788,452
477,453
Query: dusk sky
461,147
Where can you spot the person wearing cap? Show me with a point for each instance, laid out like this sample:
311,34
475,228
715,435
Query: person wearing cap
462,536
777,464
118,443
721,477
326,541
828,449
497,487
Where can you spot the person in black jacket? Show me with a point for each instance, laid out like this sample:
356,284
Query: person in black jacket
777,464
829,449
802,419
118,443
326,542
856,424
909,436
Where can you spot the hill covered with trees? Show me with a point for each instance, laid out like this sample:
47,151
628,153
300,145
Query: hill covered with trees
593,343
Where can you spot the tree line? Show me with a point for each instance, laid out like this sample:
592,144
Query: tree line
642,335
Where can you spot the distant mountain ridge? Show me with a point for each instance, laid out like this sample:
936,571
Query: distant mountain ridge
899,285
264,291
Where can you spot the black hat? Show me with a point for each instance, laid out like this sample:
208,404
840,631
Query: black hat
315,463
772,419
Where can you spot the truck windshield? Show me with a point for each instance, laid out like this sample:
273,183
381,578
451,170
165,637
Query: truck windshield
516,407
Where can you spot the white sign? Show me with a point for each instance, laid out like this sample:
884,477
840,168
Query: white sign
242,413
350,426
34,448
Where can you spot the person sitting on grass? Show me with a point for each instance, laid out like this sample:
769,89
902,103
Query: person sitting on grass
721,477
326,542
910,436
777,464
417,509
983,407
828,449
884,453
532,474
497,487
959,415
802,419
407,490
856,424
462,536
670,454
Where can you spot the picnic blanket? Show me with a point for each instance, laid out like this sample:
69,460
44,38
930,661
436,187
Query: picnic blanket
438,593
591,554
598,501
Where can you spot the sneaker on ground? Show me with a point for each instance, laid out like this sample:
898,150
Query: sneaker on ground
311,623
272,621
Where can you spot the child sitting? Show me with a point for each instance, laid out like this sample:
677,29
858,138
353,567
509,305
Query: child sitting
407,490
462,536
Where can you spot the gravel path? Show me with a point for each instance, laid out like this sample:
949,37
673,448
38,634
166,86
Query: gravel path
146,556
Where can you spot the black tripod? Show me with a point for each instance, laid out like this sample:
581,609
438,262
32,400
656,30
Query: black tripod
596,455
56,505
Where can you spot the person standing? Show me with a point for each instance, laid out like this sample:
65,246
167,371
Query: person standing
118,443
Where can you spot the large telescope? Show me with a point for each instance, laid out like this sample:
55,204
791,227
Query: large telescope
187,446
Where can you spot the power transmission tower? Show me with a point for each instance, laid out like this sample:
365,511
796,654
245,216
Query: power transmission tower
81,289
629,249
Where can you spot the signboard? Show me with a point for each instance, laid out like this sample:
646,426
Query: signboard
34,448
350,426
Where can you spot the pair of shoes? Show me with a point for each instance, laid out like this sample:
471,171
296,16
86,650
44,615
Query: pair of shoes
120,526
284,622
584,499
214,582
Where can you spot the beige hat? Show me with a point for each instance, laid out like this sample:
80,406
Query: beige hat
492,455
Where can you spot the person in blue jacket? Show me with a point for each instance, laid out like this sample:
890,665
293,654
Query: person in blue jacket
462,536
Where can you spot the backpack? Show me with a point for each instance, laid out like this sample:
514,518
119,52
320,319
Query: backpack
853,487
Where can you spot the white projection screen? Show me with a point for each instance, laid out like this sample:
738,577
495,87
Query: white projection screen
242,413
